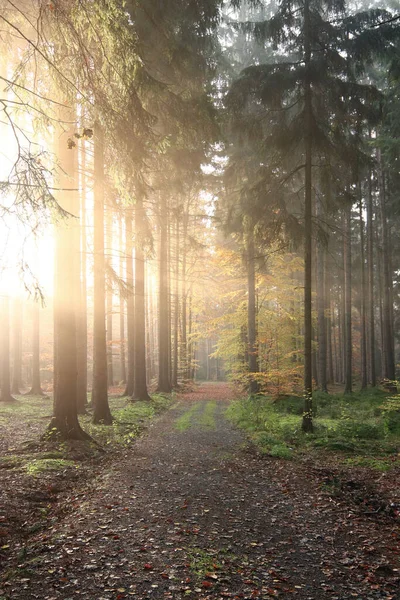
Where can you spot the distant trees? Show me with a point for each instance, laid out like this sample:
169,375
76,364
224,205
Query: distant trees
297,159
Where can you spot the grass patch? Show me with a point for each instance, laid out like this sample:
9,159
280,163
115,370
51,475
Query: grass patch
129,419
185,421
203,561
363,428
207,417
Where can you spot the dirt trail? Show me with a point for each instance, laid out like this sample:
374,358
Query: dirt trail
189,512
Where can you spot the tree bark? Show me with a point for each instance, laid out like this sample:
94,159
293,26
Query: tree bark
5,392
130,304
82,383
16,382
251,313
388,342
176,309
109,295
122,275
36,388
65,422
164,383
321,302
101,412
140,385
307,424
363,300
371,302
348,383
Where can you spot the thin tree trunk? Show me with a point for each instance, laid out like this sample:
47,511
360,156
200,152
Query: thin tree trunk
321,336
109,295
363,303
371,303
140,385
176,309
101,413
82,383
184,350
389,363
122,358
348,383
251,314
16,382
130,305
36,388
164,384
5,391
307,424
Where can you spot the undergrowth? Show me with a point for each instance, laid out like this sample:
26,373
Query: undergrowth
364,427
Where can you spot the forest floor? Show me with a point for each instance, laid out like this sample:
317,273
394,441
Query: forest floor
190,510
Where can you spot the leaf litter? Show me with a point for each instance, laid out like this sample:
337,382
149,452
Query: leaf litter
197,514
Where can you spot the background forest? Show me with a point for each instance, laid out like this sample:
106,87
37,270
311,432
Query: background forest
202,190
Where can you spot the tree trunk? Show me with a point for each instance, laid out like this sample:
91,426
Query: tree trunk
82,311
66,290
130,305
36,389
321,335
176,309
388,348
122,369
140,385
307,424
164,384
109,294
371,303
348,383
251,314
101,412
5,393
363,303
16,382
184,349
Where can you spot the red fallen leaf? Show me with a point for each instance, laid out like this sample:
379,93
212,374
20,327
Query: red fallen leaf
143,549
165,575
206,584
115,537
148,566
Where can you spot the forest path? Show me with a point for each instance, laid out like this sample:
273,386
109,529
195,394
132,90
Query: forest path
189,512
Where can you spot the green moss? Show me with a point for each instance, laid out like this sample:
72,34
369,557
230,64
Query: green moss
40,465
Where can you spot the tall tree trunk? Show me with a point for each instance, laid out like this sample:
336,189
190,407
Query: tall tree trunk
140,385
388,349
184,349
122,358
66,292
101,412
371,303
321,335
109,294
82,383
130,304
16,382
5,390
251,313
36,388
176,309
363,302
164,384
307,424
348,383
